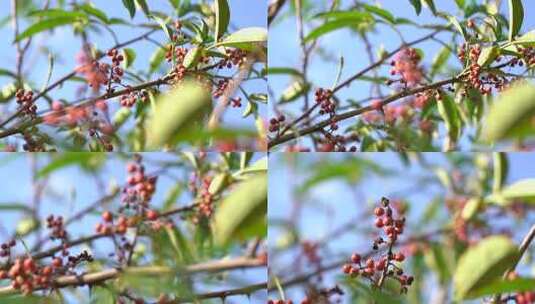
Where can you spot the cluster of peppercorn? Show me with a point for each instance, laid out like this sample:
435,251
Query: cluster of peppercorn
26,275
200,186
387,263
233,57
221,88
336,143
275,124
26,103
324,98
406,64
130,99
116,72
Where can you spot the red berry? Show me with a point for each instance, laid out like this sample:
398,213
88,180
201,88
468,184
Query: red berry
379,223
57,262
107,216
28,265
151,215
399,257
347,268
379,211
370,263
355,258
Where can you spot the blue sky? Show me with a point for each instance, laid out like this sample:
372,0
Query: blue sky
284,50
70,190
331,204
64,45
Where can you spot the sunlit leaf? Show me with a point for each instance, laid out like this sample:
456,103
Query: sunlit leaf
511,115
130,6
178,112
222,15
516,17
46,24
474,272
242,214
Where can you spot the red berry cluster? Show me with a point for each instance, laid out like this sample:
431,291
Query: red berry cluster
6,248
275,124
26,103
235,102
116,72
137,194
56,225
33,141
233,57
221,88
406,64
324,98
200,186
130,99
528,56
387,263
335,143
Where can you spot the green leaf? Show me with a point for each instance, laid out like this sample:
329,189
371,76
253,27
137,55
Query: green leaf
54,13
431,5
510,116
101,295
521,190
482,264
384,14
26,226
248,38
460,3
333,25
144,6
46,24
86,160
488,55
15,207
450,114
178,112
502,287
156,59
219,182
440,60
164,26
260,166
91,10
192,57
350,171
437,259
516,17
180,244
294,91
283,71
417,6
130,6
242,214
222,18
501,168
457,25
471,208
129,57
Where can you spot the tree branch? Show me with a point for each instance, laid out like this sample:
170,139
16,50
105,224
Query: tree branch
108,274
